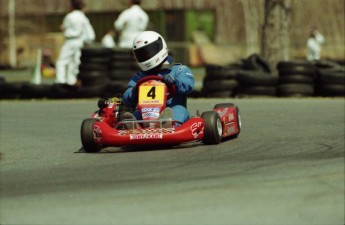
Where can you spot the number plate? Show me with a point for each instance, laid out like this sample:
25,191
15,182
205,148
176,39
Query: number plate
151,94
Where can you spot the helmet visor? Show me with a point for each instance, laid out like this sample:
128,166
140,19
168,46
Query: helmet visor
147,52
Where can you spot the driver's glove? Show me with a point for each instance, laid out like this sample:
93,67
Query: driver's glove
168,79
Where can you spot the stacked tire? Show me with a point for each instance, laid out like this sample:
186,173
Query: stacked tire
122,66
94,72
220,81
256,84
256,78
36,91
296,78
10,90
330,79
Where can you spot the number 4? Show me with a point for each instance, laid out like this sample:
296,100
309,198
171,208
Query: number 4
152,93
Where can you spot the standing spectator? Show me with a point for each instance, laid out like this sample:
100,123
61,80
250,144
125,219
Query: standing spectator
131,22
77,30
314,43
108,39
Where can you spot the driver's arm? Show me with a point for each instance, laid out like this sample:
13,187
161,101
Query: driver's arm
184,79
128,98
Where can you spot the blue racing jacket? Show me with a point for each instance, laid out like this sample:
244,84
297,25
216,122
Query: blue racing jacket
184,83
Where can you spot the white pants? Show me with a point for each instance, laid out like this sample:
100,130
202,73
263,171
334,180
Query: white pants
67,65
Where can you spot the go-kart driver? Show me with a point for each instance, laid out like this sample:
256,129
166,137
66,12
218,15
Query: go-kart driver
151,53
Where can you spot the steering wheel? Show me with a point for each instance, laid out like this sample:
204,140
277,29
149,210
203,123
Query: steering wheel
171,87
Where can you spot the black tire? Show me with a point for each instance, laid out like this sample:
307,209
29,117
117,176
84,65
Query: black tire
295,90
36,91
221,72
97,59
213,128
330,90
258,90
61,91
87,137
296,78
308,71
87,77
216,94
331,76
220,85
122,54
257,78
256,62
93,67
124,65
12,90
95,90
121,74
294,64
327,64
92,52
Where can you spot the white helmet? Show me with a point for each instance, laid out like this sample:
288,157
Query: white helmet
150,50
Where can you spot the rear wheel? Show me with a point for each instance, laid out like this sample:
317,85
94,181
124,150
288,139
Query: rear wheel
87,138
213,129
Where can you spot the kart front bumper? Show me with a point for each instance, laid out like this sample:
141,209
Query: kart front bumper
191,130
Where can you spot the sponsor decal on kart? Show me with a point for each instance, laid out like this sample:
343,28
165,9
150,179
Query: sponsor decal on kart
221,113
231,116
97,132
146,131
195,128
150,110
150,102
150,114
231,130
145,136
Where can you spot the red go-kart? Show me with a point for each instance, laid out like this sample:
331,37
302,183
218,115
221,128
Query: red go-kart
107,128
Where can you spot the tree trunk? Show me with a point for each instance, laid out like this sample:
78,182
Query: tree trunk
252,23
275,39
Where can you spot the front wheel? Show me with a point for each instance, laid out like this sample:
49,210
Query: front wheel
87,138
213,129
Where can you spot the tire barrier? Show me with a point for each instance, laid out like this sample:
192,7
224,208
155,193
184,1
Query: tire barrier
11,90
220,81
257,63
330,82
256,83
296,78
246,78
122,67
93,73
106,72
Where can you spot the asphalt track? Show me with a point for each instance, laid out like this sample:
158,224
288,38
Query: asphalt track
286,167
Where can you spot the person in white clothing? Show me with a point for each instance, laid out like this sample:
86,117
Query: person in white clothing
77,31
108,39
131,22
314,43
